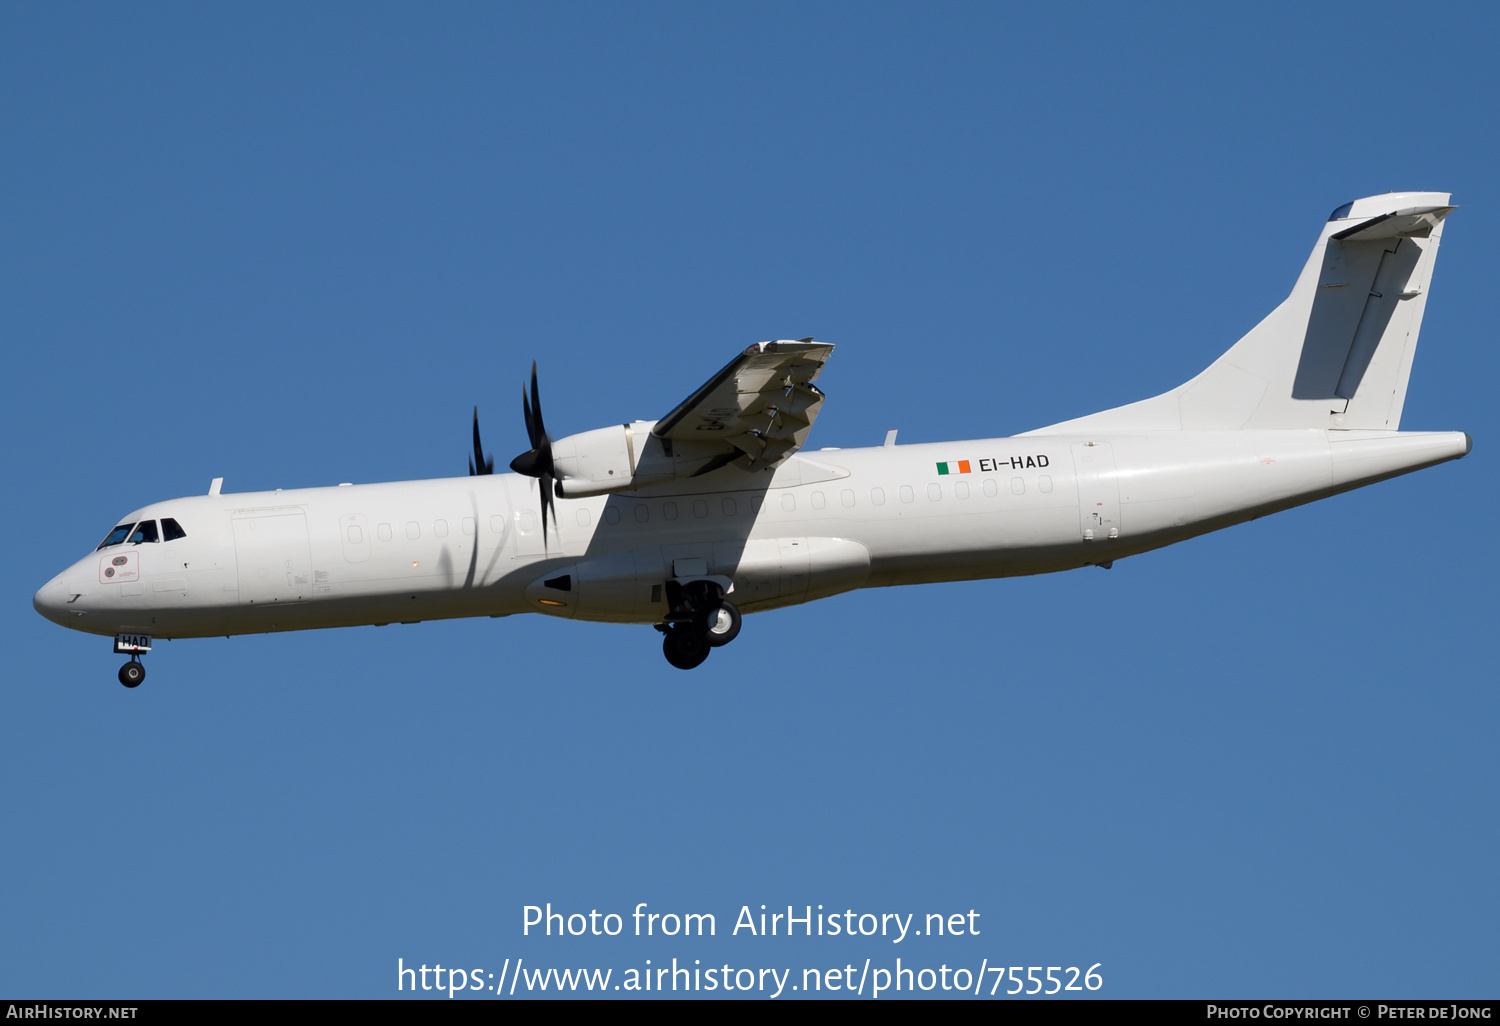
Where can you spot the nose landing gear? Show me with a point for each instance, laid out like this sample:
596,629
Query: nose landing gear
133,645
133,672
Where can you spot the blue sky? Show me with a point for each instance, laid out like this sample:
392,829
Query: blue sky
294,246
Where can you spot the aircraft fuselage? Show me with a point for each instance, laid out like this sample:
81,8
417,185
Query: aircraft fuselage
827,521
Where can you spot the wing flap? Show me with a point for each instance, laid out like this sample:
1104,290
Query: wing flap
762,404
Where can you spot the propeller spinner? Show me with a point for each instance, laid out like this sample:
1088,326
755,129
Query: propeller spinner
537,462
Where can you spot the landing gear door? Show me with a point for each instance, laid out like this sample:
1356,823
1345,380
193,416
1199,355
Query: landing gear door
1098,490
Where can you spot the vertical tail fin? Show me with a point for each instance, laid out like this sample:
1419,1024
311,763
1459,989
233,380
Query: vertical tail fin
1337,352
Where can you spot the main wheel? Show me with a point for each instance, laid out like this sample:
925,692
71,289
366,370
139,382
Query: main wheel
132,673
723,624
685,648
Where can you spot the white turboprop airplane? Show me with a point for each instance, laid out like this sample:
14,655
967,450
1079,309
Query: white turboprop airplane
687,521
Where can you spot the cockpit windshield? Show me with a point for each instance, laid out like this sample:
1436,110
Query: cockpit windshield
145,531
116,536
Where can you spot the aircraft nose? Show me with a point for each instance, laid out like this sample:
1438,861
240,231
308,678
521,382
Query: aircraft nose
51,600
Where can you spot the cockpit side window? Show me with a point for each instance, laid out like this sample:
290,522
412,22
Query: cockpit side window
171,530
116,536
145,531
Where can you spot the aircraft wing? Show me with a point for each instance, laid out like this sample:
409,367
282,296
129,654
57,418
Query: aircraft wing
761,405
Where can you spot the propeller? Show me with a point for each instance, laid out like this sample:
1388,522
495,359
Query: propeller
537,462
479,463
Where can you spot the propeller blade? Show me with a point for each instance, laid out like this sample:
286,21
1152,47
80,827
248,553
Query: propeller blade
547,485
536,410
530,421
537,461
479,463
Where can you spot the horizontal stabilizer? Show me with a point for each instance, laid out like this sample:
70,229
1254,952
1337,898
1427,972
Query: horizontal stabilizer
1412,223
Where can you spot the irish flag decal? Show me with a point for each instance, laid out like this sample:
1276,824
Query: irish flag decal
961,467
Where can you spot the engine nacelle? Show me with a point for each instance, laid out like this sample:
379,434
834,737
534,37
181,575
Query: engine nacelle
618,458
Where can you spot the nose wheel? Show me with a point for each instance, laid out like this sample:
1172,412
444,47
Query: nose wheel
132,673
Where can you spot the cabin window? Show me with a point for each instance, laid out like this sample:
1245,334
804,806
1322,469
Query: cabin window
729,507
171,530
583,518
440,528
935,491
528,520
789,502
818,502
1045,483
469,525
961,489
611,514
145,531
907,495
356,536
669,510
877,496
642,513
413,530
497,524
116,536
1017,486
756,501
700,508
990,488
847,497
383,531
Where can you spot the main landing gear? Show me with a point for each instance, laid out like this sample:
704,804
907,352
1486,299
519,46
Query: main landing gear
701,621
133,672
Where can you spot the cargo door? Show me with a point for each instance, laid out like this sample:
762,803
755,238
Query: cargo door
275,559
